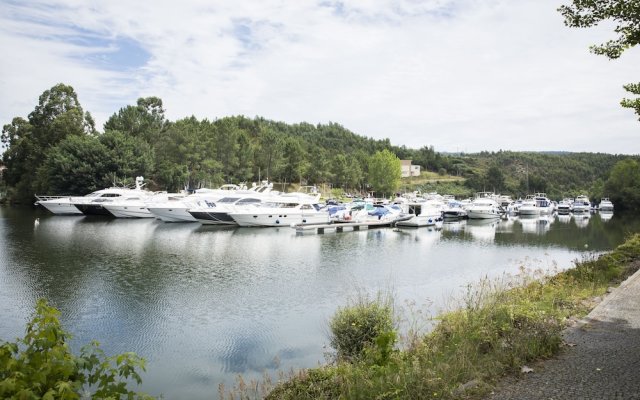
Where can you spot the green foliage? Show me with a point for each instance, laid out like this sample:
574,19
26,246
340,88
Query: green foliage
623,185
588,13
633,88
57,116
41,365
384,172
624,13
359,326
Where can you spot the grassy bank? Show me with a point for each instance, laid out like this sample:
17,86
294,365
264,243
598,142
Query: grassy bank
500,328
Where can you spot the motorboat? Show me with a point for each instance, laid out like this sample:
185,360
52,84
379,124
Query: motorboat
543,203
94,205
429,213
66,205
133,205
177,209
286,210
605,205
529,207
483,207
564,206
60,205
217,212
581,205
454,210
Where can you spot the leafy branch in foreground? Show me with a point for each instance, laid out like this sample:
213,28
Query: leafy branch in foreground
42,366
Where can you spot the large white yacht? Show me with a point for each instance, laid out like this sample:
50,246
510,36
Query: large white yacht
66,205
94,205
285,210
175,209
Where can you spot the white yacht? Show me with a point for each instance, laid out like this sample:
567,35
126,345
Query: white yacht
175,209
483,207
529,207
66,205
134,205
217,212
564,206
285,210
94,205
60,205
605,205
545,205
427,213
581,205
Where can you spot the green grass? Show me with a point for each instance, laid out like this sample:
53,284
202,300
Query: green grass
500,327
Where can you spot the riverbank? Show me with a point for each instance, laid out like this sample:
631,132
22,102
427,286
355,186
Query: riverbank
499,332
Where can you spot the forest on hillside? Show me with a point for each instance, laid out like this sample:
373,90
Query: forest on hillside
58,150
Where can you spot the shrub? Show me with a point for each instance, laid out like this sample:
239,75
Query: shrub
41,365
357,326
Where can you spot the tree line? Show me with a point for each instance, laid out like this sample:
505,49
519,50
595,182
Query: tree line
58,150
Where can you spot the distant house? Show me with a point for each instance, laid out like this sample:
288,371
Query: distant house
408,169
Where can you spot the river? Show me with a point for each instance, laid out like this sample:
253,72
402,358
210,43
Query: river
204,304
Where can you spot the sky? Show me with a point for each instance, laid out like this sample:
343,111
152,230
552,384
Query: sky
458,75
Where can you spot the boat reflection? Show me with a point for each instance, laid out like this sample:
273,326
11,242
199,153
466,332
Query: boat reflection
538,225
606,215
582,220
482,229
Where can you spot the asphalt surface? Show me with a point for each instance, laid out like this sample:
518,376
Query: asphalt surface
601,358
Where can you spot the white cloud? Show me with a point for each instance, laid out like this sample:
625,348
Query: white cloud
459,75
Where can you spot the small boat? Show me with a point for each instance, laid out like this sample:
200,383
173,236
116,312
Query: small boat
605,205
564,206
429,215
581,205
529,207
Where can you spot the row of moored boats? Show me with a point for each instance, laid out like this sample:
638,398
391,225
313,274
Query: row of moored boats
260,205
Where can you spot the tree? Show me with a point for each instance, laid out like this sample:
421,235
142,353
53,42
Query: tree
127,156
623,185
270,151
495,178
76,166
625,14
185,155
294,160
42,366
145,119
57,116
385,172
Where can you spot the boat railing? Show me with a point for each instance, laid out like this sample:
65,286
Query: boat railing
45,197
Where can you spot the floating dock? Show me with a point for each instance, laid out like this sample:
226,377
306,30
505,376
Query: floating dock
346,226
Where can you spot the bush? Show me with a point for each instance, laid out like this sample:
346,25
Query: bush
41,365
357,326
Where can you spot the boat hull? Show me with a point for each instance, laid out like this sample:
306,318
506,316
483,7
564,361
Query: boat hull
93,209
119,211
274,220
60,207
172,214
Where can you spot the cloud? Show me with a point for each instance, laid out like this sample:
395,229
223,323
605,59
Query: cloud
456,74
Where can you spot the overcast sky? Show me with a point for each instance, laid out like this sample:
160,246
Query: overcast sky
459,75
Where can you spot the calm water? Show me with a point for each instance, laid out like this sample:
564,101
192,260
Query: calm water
203,304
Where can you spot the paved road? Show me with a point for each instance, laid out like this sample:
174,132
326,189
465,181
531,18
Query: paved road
602,362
